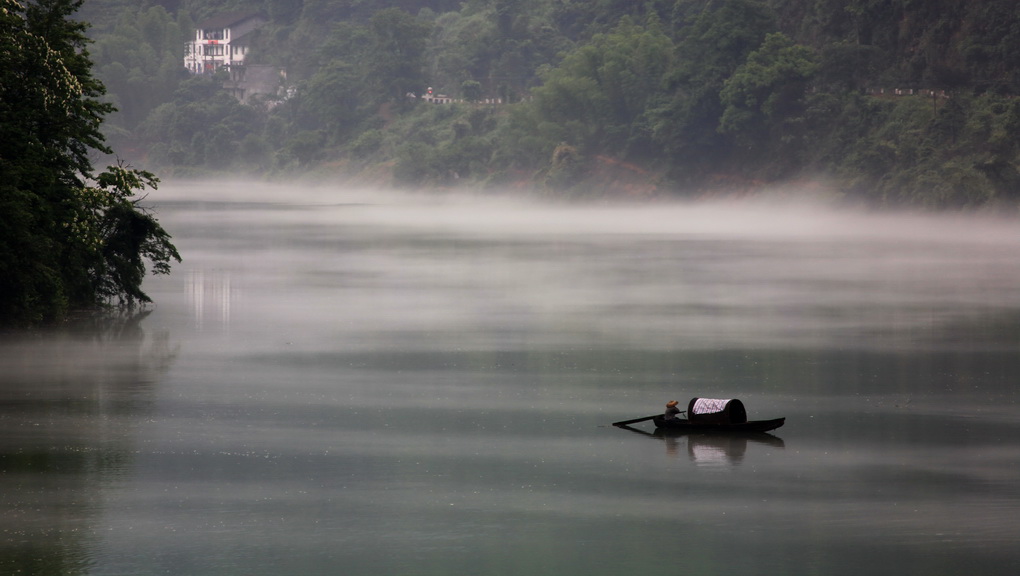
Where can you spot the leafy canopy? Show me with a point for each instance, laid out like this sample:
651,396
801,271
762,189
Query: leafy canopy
69,238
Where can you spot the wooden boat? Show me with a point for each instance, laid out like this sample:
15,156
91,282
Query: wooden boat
683,425
709,415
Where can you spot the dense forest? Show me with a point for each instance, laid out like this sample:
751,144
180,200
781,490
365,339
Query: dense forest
70,238
890,102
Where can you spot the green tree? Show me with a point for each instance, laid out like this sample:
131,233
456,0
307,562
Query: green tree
708,51
203,122
331,99
118,236
471,90
304,147
600,93
397,54
70,238
461,49
764,99
140,62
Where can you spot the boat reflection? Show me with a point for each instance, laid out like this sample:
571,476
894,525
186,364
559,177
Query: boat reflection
711,448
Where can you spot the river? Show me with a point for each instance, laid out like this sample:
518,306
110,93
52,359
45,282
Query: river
353,382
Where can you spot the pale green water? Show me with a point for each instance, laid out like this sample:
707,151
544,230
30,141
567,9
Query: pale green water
340,383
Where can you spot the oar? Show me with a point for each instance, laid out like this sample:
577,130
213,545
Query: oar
636,431
635,421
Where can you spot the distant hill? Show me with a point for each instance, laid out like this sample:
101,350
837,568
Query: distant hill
694,94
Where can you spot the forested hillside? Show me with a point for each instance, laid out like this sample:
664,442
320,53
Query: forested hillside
887,101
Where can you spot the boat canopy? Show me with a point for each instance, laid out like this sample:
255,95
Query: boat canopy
715,411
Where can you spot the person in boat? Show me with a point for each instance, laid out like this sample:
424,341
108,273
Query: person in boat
672,411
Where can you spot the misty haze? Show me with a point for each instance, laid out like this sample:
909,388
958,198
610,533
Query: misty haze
360,382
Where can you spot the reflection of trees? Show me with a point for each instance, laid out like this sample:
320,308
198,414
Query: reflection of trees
68,401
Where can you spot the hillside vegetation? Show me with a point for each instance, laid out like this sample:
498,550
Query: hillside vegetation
890,102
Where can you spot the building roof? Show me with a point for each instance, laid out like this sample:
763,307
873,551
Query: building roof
244,39
226,20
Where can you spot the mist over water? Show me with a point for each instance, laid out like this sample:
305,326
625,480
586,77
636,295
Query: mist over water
744,274
369,382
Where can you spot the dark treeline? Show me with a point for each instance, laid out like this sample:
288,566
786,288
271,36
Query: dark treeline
679,94
70,238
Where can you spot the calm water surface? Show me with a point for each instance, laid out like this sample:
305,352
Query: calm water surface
338,382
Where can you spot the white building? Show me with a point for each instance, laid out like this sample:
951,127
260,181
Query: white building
221,41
